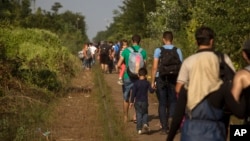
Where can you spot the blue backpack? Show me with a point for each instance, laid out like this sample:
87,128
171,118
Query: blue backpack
204,123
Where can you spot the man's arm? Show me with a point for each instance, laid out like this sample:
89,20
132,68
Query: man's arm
182,78
229,62
153,71
178,87
180,54
120,61
238,85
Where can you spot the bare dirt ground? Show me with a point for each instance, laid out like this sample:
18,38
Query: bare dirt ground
76,115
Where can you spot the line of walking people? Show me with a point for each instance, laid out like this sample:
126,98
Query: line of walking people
193,99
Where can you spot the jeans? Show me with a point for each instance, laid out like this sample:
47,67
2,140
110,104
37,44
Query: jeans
167,101
141,109
126,88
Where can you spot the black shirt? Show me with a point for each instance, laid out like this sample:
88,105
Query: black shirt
140,91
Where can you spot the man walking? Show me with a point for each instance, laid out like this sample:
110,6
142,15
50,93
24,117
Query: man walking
241,82
202,94
165,84
104,56
128,82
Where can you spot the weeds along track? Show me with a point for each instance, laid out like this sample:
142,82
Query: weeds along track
106,108
109,115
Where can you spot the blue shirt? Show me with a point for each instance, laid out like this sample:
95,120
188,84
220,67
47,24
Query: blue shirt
157,53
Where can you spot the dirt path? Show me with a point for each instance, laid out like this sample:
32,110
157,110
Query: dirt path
155,135
76,117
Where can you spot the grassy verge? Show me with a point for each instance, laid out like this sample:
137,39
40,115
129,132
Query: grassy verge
108,114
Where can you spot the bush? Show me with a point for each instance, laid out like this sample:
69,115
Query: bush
34,69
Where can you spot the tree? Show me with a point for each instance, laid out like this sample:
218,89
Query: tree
56,7
131,19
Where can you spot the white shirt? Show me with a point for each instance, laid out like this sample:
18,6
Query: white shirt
92,49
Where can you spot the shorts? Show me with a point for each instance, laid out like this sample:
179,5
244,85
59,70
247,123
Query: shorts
127,86
104,59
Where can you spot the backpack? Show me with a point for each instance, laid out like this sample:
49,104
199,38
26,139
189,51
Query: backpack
169,63
226,73
117,52
204,122
135,62
80,54
104,49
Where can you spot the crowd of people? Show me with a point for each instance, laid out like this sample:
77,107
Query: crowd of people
107,53
193,96
88,55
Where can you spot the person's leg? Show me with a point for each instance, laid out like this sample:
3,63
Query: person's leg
145,113
110,65
86,63
125,110
157,96
138,109
106,63
93,59
82,62
172,99
162,99
126,95
102,61
90,62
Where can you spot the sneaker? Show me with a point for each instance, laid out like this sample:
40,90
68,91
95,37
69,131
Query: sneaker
120,82
146,128
139,132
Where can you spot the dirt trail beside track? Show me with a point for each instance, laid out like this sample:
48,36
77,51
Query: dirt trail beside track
76,115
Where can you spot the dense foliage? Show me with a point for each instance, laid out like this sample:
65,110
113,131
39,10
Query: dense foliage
35,69
229,19
36,64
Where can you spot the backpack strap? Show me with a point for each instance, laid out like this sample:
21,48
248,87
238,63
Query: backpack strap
247,68
221,57
161,48
140,50
131,49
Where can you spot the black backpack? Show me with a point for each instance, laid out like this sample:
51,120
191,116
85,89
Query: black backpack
226,73
169,62
105,49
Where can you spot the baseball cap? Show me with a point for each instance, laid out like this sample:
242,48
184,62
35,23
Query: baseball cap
246,45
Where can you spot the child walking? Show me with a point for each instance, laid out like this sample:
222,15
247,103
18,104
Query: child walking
124,44
139,99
